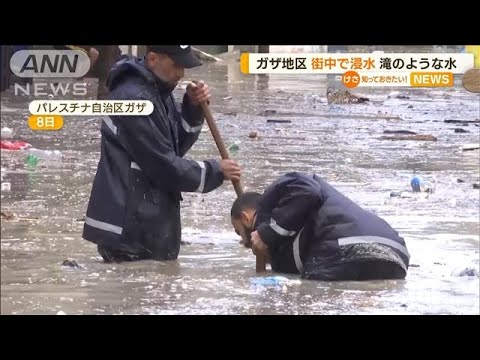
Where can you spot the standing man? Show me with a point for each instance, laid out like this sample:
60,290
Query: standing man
134,208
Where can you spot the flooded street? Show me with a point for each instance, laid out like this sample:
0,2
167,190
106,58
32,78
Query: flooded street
214,274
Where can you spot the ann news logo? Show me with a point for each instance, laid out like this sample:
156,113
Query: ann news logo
54,65
50,63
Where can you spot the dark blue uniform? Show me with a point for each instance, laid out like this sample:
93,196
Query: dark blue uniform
312,229
134,207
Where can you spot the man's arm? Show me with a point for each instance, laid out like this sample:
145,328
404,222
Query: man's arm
192,119
287,205
152,151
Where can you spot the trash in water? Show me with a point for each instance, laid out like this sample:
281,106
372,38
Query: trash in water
279,121
16,145
6,186
460,181
46,154
460,130
415,183
31,160
476,186
267,112
7,216
469,147
340,96
462,121
273,281
61,313
402,132
465,272
416,137
233,147
71,263
253,135
7,133
420,185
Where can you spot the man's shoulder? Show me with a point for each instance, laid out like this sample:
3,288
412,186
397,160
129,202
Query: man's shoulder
296,176
132,90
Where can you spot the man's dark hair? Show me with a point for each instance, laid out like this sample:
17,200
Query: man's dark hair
248,200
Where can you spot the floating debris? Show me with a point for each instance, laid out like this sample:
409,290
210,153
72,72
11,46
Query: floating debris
71,263
469,147
415,137
7,216
279,121
267,112
335,96
477,121
465,272
273,281
7,133
404,132
233,147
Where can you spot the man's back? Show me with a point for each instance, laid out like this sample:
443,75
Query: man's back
304,220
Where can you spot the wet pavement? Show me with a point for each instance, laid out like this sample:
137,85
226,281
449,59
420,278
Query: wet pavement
214,274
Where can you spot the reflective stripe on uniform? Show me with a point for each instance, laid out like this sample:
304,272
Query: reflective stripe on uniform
279,230
103,226
202,176
373,239
190,129
296,253
109,123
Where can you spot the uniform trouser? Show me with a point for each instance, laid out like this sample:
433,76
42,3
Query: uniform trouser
114,255
357,270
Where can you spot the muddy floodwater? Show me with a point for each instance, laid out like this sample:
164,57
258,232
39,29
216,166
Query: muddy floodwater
214,274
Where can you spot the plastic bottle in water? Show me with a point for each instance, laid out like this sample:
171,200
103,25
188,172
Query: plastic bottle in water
233,147
6,186
421,185
49,155
416,183
7,133
31,160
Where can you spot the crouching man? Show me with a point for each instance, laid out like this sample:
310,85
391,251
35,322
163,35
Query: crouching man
304,225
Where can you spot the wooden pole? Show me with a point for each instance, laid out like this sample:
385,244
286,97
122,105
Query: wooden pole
261,263
220,144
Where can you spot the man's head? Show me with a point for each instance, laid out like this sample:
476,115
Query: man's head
243,213
169,62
